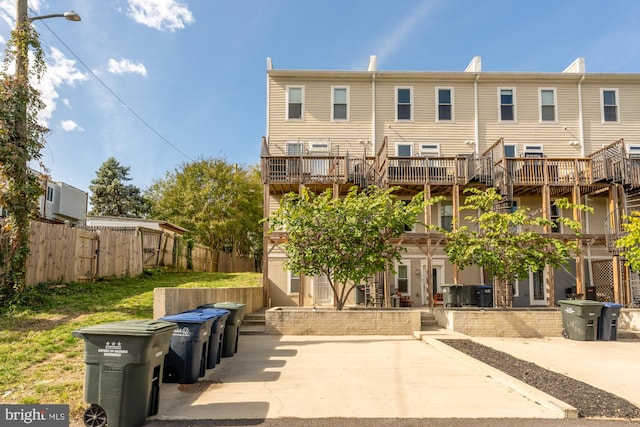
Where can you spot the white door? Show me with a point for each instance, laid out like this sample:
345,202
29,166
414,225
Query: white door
322,293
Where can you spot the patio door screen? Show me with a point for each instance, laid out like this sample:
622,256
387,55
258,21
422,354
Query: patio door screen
322,293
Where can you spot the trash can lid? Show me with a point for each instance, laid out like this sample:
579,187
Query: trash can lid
214,312
127,327
189,317
578,302
227,305
612,305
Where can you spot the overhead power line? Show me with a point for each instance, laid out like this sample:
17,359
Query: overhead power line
115,95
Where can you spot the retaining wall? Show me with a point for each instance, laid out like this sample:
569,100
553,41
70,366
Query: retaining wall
176,300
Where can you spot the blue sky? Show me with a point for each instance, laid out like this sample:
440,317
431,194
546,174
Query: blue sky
156,83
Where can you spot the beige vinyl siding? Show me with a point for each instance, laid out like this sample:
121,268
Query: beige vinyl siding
317,124
527,129
599,133
424,128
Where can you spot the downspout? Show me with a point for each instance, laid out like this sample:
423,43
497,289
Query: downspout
373,111
583,152
476,114
269,67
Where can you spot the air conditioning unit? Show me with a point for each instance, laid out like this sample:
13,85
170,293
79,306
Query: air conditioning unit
533,151
633,151
429,150
319,146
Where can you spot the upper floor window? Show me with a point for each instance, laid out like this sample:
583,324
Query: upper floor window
555,215
633,151
404,100
548,105
510,150
295,102
445,104
609,105
507,105
49,194
340,104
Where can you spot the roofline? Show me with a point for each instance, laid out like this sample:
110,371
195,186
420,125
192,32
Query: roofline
160,222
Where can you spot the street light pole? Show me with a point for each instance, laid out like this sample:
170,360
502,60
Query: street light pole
21,193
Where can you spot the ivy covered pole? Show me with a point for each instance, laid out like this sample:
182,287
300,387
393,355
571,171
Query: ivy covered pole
21,139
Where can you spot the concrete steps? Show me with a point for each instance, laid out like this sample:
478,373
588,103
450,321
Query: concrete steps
428,321
253,324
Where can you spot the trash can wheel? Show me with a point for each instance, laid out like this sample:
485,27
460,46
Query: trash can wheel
565,334
95,416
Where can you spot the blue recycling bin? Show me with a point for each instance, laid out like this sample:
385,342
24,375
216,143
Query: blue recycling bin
188,351
217,333
608,321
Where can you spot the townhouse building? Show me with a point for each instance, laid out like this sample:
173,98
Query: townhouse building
533,136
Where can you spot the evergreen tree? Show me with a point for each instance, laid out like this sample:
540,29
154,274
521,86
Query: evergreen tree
111,196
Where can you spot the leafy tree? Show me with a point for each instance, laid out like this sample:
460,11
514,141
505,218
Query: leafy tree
347,239
111,196
219,203
506,244
21,139
630,243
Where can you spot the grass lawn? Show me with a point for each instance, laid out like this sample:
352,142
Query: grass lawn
40,361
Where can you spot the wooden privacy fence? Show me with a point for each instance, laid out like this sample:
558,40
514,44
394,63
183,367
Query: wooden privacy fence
59,252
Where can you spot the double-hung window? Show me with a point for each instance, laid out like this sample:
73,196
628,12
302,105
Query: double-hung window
340,103
548,105
294,283
404,104
507,100
446,215
295,103
402,278
445,104
609,105
49,194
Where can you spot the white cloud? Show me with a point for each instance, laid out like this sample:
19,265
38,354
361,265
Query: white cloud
66,103
407,24
8,10
70,126
60,71
160,14
125,66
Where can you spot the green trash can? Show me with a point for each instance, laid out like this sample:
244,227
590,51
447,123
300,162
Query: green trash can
123,370
580,319
234,320
452,295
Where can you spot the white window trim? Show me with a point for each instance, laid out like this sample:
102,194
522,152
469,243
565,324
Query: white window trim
453,114
395,95
293,143
440,207
533,301
410,144
515,109
560,226
333,104
515,149
555,104
289,291
633,151
406,263
612,89
286,109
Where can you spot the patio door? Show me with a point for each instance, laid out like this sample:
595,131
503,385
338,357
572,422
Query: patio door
322,293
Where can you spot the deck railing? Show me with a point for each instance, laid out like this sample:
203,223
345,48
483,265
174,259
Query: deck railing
552,171
424,170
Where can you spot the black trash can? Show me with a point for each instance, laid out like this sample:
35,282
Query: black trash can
608,321
485,295
590,293
217,334
452,295
469,296
123,369
187,357
580,319
234,320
